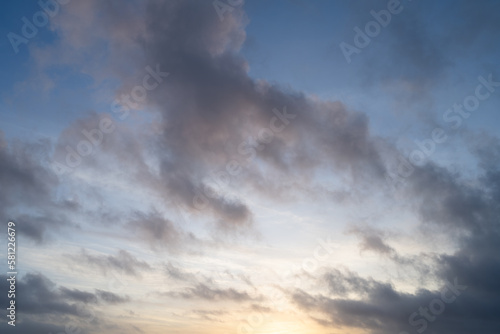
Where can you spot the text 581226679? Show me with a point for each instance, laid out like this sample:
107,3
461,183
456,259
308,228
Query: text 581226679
11,262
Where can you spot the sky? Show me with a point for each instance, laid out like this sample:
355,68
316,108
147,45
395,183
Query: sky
250,167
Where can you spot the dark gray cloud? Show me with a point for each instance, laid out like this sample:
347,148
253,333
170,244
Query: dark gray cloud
206,292
378,307
110,297
39,295
156,230
464,209
88,297
27,326
41,304
179,274
341,284
28,181
382,309
372,240
22,175
77,295
123,262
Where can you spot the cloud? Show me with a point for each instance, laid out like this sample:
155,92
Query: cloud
27,326
77,295
463,210
205,292
28,181
372,239
210,315
39,295
23,177
211,111
43,305
348,283
123,262
110,297
159,232
179,274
